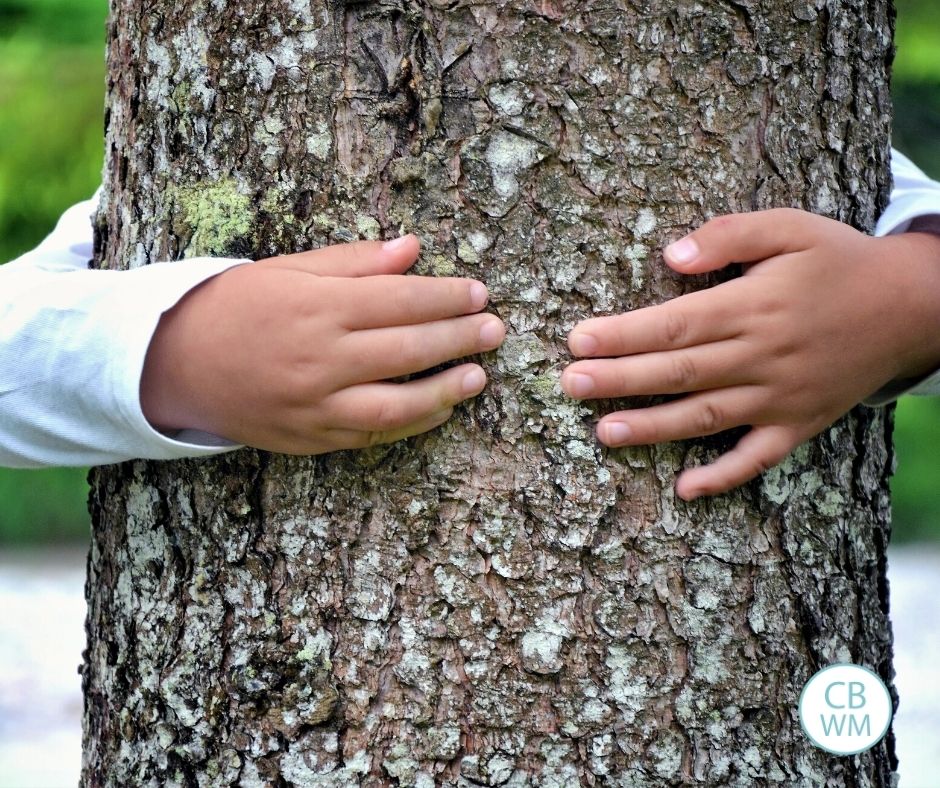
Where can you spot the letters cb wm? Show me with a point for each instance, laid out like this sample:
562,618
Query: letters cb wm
845,709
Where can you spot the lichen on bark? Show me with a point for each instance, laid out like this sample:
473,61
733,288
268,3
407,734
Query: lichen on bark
500,602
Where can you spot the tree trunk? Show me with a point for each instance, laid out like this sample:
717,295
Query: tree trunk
501,602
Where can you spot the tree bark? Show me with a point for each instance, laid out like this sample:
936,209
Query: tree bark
501,602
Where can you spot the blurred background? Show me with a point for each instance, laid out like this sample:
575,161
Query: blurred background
51,95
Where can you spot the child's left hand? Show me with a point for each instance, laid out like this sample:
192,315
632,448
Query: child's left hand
825,317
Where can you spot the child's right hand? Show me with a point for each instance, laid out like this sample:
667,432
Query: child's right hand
823,317
289,354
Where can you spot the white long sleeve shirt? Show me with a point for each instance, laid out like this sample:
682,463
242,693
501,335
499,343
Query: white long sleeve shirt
72,349
73,342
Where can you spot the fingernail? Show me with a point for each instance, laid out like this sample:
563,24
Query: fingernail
579,385
491,334
583,344
479,295
682,252
396,244
473,382
616,432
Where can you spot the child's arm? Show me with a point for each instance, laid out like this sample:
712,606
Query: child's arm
825,317
73,344
290,354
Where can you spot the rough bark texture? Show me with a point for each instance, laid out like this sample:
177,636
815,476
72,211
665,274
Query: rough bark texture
501,602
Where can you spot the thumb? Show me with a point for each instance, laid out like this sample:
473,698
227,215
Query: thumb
358,258
743,238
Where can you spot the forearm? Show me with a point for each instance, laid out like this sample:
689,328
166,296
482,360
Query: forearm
922,375
910,227
72,347
912,281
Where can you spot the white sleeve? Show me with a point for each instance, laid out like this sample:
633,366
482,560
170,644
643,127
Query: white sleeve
914,196
72,348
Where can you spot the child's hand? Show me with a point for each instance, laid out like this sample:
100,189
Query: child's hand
825,318
288,354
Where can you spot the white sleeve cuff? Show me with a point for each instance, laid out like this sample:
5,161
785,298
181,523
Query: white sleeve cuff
164,284
896,388
914,195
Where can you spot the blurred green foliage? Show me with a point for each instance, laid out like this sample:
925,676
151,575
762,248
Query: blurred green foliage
51,89
915,485
43,506
51,94
916,83
51,118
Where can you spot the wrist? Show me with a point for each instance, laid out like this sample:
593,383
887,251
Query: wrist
157,385
914,257
165,383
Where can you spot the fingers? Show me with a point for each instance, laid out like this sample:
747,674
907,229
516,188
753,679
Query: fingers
380,296
715,365
744,238
358,439
693,319
761,449
705,414
690,417
377,354
359,258
387,408
381,301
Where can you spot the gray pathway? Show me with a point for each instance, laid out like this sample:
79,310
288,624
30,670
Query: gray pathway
914,574
41,639
42,616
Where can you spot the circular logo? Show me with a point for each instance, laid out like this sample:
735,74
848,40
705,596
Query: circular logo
845,709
